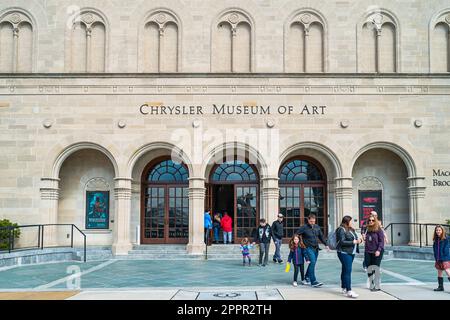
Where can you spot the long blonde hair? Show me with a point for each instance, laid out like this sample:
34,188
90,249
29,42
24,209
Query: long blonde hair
376,224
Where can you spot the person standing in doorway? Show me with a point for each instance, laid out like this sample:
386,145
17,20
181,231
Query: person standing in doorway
347,246
227,227
216,227
312,234
441,249
207,224
277,234
373,252
262,237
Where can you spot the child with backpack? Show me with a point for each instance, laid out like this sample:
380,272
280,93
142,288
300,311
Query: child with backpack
297,256
245,249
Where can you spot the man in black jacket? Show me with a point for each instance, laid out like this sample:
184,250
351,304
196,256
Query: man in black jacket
312,234
277,235
263,235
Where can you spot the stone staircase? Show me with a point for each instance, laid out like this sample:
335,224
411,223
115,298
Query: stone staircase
160,252
215,252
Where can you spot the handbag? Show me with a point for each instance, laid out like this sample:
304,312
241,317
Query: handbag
288,267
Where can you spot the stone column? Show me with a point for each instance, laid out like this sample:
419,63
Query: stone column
49,209
416,192
122,193
15,48
344,194
270,204
331,205
88,48
197,190
234,54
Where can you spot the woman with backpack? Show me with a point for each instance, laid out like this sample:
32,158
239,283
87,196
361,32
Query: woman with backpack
347,245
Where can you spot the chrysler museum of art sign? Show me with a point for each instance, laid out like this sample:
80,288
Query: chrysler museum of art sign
224,109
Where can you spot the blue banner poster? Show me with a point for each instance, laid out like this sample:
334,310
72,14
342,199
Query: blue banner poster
97,209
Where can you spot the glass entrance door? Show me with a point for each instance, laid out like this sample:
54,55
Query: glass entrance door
246,211
297,202
166,218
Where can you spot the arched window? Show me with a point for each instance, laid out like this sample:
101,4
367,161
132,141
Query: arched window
300,170
16,42
160,38
440,43
234,171
378,47
305,44
232,43
165,202
302,192
88,42
168,171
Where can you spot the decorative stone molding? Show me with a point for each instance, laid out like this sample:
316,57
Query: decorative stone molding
16,18
307,18
97,184
122,189
49,188
370,183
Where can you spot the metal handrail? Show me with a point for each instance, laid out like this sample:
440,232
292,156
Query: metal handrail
391,225
41,230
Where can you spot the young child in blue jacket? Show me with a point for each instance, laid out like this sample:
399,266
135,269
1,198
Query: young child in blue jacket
245,249
297,257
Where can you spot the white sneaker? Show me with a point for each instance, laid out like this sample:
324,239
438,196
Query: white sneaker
344,291
304,282
294,283
352,294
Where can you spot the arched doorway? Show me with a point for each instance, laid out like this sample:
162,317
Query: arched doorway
303,190
234,187
165,202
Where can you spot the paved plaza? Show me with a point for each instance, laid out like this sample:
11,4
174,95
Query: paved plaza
209,280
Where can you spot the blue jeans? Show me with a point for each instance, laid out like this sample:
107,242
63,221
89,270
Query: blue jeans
312,255
346,272
225,235
277,255
216,234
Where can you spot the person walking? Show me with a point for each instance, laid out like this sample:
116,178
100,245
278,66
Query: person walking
277,235
374,249
207,224
262,237
441,249
312,234
227,227
364,231
347,246
297,257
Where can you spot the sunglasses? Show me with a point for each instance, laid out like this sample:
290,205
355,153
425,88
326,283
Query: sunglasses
371,220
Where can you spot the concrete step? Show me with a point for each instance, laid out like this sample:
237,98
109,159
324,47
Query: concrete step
160,257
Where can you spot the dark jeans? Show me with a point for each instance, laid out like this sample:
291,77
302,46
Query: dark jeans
297,268
206,236
370,259
216,233
263,251
312,255
346,272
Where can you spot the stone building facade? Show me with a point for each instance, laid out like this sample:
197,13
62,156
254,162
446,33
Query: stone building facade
254,107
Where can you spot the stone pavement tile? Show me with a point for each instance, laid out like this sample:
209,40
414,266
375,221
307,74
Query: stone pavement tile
61,295
412,292
125,295
271,294
186,295
330,293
